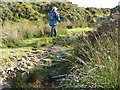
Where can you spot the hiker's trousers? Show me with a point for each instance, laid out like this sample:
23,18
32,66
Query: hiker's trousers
53,31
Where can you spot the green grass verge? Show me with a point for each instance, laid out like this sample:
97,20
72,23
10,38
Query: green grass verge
16,52
21,48
79,29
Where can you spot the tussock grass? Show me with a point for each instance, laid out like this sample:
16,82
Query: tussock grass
96,65
13,34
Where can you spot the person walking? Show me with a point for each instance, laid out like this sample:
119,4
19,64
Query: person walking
53,18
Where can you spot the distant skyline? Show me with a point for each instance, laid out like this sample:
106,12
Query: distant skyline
96,3
81,3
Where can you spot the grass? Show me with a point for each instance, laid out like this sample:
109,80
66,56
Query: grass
16,52
24,47
78,31
15,43
15,33
27,44
98,61
100,69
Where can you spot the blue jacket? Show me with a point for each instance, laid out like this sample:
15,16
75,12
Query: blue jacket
54,21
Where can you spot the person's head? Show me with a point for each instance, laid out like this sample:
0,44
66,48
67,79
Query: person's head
54,8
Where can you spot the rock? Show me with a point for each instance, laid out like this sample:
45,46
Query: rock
9,65
23,65
19,60
15,57
43,60
39,56
11,52
12,58
44,44
22,59
34,49
25,57
50,50
62,59
40,51
55,61
70,27
72,37
1,79
46,61
11,68
21,50
30,63
4,84
3,72
29,67
26,51
32,58
34,52
22,69
30,55
34,46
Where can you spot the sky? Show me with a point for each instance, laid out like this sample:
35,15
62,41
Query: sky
83,3
96,3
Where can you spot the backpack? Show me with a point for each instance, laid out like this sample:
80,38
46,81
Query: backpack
51,16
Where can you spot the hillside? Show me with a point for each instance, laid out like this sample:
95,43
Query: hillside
83,55
38,10
34,15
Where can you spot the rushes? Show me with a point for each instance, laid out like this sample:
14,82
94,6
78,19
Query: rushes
102,68
15,33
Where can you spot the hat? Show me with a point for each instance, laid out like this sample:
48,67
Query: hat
54,8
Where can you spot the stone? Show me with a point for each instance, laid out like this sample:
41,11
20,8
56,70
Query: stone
35,52
70,27
34,49
19,60
29,67
29,63
25,57
11,52
22,69
50,50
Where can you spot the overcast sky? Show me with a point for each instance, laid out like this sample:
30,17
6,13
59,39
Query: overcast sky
96,3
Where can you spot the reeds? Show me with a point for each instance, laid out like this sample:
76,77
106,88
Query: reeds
100,56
